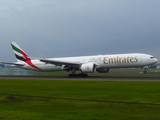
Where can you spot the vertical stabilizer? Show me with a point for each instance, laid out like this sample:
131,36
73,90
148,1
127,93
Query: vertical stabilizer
22,56
19,53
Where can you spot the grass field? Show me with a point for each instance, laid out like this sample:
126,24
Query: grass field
79,100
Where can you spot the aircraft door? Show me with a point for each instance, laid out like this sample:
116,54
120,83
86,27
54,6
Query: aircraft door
84,60
140,58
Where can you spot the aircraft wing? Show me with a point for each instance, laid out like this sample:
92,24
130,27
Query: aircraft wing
59,63
17,64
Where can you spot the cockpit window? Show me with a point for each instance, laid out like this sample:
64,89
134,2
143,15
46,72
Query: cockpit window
152,57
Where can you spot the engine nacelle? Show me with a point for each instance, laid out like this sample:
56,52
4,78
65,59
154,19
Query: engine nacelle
88,68
102,70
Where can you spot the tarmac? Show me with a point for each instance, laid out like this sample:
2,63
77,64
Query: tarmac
89,78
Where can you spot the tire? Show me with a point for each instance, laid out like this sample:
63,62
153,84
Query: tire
144,72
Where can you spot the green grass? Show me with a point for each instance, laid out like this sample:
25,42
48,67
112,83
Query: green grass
59,103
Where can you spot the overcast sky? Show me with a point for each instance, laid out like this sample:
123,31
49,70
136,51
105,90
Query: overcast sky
64,28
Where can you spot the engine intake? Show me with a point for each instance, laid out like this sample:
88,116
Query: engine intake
88,68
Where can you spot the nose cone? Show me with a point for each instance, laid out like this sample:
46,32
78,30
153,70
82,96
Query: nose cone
156,60
153,60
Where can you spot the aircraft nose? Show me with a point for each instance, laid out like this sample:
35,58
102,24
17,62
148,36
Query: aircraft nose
156,60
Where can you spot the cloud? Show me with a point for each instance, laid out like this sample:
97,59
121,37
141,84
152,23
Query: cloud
54,28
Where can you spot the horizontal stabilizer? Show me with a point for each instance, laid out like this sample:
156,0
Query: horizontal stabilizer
17,64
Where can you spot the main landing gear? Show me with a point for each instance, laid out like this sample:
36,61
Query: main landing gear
73,74
78,75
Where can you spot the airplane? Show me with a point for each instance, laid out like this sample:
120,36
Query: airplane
85,64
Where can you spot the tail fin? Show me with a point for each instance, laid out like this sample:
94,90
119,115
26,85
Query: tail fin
19,53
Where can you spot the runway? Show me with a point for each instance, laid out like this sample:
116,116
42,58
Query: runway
90,78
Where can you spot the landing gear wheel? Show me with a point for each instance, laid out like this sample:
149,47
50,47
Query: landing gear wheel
83,75
144,72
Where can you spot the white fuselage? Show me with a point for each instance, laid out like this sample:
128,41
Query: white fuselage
101,61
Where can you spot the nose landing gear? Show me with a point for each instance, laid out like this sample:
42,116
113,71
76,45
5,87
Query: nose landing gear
145,68
144,71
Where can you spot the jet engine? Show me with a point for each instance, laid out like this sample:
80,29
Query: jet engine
102,70
88,68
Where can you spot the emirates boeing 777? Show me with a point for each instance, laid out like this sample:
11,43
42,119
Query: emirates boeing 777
85,64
